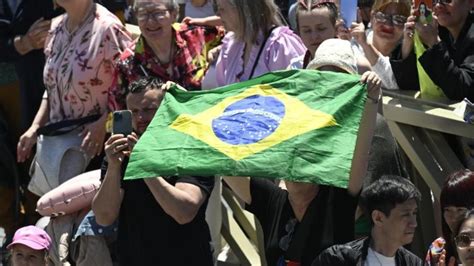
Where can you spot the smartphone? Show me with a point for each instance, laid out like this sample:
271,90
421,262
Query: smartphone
424,10
54,13
349,12
122,122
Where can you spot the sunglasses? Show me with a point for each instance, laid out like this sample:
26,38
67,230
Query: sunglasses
463,240
396,20
285,241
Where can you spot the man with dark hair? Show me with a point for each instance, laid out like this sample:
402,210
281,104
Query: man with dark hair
161,219
391,204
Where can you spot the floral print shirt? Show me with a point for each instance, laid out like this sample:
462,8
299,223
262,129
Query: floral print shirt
189,63
79,70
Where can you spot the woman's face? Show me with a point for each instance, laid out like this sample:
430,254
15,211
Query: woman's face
315,27
465,247
453,216
26,256
72,3
422,9
385,31
229,15
154,19
453,15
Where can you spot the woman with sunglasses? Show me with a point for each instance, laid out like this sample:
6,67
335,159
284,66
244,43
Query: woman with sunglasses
464,243
384,41
457,196
449,57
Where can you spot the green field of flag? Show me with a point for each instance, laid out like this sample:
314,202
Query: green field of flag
298,125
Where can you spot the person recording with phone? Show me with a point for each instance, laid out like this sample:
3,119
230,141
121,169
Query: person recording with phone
449,56
161,219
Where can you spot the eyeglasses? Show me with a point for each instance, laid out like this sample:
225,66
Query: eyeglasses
442,2
396,20
145,14
463,240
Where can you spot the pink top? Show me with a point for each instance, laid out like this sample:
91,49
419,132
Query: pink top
282,46
79,69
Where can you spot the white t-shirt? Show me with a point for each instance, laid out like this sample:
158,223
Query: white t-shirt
382,67
376,259
197,12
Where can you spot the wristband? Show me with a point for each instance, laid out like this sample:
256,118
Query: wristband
373,100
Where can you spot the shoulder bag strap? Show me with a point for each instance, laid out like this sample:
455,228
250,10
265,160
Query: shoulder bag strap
260,52
66,126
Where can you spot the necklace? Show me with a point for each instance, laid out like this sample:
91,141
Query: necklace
87,15
168,66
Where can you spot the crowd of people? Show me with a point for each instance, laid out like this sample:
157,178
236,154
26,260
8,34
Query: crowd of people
77,63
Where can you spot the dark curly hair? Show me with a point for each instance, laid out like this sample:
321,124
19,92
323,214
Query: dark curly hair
144,83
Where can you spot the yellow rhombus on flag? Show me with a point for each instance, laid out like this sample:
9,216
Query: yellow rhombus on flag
299,120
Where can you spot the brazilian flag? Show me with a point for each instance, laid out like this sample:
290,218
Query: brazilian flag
298,125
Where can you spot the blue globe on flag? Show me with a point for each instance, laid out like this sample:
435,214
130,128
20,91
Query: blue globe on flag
249,120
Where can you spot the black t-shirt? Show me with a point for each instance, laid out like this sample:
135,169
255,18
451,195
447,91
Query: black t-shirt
333,221
149,236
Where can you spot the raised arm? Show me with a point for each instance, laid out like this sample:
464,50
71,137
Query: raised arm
107,201
365,133
181,201
212,21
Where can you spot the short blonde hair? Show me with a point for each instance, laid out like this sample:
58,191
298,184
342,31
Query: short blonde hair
403,6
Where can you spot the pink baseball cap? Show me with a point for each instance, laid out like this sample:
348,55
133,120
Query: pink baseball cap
31,236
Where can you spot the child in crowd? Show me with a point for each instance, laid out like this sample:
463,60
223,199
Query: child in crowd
29,247
315,22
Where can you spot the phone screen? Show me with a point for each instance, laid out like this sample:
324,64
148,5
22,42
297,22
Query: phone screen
424,11
349,12
122,123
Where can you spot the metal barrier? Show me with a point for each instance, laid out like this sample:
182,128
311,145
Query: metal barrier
419,125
